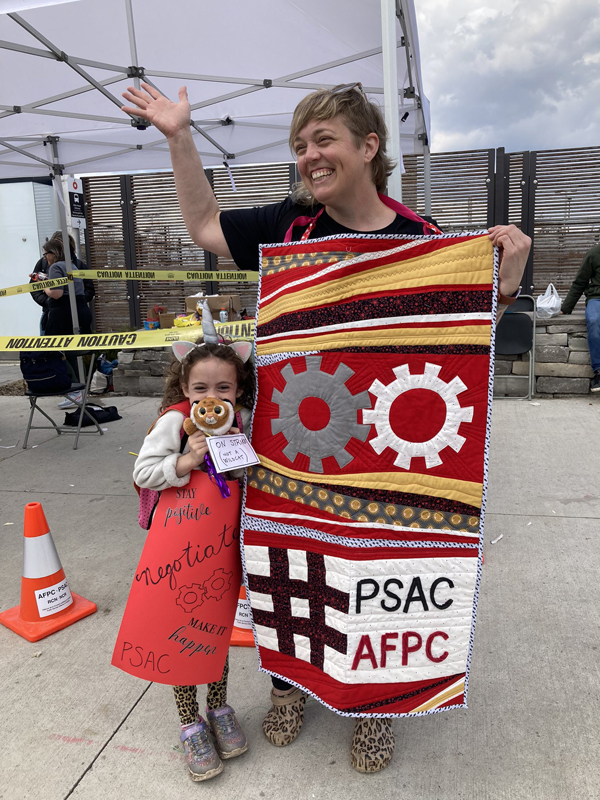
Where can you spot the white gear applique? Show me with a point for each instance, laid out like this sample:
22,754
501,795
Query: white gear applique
448,436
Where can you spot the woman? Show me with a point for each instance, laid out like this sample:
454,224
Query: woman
60,321
40,271
339,139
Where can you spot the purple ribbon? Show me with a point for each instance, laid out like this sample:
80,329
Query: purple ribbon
216,477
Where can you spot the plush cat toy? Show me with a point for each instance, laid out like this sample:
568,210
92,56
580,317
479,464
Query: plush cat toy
212,416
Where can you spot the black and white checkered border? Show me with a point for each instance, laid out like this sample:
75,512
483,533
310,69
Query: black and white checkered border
346,713
274,358
486,465
397,236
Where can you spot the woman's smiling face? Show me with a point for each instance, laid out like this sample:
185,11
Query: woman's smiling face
331,165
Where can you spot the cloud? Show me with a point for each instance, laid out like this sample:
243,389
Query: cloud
520,75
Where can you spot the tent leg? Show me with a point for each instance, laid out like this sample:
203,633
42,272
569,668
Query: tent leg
427,179
390,90
62,216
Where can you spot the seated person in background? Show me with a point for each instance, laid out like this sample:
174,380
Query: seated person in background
588,280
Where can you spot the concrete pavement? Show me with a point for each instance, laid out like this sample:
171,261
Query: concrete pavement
76,727
9,372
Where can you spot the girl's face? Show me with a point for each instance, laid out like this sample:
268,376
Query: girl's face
212,377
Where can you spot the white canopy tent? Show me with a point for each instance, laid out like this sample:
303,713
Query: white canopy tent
65,64
246,66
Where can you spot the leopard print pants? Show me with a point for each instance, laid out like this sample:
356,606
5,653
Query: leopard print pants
186,697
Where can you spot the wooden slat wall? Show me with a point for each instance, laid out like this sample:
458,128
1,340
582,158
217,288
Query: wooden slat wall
107,249
256,186
567,214
459,188
567,219
162,242
515,188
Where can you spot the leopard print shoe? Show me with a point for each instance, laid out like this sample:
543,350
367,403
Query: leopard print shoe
372,744
284,719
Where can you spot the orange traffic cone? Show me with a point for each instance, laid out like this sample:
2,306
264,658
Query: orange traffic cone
47,603
242,627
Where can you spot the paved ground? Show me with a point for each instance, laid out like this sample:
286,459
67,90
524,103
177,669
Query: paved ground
9,372
75,727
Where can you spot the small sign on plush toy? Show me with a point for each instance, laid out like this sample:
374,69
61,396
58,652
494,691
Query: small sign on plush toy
231,452
214,417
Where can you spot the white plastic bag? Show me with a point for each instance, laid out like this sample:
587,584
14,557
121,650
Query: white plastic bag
548,304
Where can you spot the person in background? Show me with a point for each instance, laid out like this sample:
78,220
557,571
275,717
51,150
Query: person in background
40,272
59,321
588,280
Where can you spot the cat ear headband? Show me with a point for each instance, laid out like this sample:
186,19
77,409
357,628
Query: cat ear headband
210,336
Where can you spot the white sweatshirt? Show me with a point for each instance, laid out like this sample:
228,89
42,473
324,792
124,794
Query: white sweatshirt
155,466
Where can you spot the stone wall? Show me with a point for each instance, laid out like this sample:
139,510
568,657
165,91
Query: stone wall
562,361
142,372
562,365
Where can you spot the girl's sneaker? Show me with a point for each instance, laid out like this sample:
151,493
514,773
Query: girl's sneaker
202,759
230,738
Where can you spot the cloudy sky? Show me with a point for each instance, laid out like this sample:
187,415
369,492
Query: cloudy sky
520,74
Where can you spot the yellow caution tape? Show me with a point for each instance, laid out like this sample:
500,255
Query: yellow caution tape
132,275
163,337
54,283
165,275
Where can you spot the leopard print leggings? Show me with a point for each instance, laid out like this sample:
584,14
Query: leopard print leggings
186,697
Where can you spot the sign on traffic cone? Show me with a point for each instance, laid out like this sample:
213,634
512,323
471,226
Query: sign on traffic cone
47,603
242,627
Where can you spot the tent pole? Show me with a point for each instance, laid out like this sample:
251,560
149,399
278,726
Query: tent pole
390,91
427,178
62,216
132,44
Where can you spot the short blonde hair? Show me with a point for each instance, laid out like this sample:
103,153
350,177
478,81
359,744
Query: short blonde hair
361,117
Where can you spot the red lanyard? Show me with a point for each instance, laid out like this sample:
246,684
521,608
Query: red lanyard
428,227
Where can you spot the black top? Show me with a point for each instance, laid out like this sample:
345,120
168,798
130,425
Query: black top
245,228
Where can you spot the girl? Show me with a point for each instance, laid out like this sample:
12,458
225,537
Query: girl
206,370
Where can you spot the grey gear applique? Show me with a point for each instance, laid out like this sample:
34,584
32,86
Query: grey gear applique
331,440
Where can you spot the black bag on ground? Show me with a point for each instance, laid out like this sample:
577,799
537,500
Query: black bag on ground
101,415
45,372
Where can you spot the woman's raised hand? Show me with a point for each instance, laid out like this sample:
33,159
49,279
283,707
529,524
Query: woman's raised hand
170,118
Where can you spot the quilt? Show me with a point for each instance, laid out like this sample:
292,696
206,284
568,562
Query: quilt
362,527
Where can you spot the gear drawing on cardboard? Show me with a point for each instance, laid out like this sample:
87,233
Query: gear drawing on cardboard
319,438
218,583
447,436
191,597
